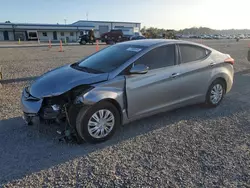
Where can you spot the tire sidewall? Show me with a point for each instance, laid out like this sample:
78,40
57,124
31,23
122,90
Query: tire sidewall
84,116
208,100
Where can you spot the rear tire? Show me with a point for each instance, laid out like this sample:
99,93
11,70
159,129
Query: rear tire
84,42
94,131
215,93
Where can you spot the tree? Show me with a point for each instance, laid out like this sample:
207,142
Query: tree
153,32
7,22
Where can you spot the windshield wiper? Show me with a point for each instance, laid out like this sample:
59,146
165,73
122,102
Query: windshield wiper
85,69
90,70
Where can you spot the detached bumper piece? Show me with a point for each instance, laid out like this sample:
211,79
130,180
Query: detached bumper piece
29,104
31,119
49,113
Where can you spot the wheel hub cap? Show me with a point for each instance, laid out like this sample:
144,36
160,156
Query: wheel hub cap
101,123
216,94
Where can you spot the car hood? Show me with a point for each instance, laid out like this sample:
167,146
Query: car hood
61,80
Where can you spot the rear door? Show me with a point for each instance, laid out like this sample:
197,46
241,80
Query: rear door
156,89
196,66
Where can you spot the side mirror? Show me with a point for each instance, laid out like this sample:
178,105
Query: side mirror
139,69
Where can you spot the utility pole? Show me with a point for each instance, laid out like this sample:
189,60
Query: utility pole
65,21
87,15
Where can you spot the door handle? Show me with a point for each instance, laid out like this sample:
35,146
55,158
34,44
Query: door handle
174,75
212,64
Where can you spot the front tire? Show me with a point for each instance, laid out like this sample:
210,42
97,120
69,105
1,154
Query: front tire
83,42
97,123
215,93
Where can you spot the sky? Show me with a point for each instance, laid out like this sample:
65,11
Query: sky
168,14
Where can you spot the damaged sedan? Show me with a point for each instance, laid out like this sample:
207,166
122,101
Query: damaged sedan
126,82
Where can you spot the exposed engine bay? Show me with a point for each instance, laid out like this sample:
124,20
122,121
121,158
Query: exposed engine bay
61,109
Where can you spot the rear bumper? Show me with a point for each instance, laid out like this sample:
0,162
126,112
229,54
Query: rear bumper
229,85
230,80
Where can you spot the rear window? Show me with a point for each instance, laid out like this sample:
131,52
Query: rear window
191,53
111,57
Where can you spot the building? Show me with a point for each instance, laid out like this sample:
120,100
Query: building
56,32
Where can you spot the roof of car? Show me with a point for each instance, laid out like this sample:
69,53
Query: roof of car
153,42
148,42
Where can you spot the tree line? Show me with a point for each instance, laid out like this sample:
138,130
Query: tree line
153,32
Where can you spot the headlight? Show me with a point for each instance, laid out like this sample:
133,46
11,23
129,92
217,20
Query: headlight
28,96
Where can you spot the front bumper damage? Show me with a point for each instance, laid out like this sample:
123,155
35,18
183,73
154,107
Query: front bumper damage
30,107
31,119
29,104
38,111
34,108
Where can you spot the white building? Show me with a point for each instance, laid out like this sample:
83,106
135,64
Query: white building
56,32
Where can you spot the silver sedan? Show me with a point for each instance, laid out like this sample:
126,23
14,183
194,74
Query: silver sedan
126,82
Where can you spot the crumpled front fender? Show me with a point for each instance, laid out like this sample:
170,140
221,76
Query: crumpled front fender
113,89
30,107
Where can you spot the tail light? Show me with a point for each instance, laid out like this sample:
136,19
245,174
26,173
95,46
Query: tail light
229,60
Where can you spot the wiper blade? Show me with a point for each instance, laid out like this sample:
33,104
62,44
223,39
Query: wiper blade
76,66
85,69
90,70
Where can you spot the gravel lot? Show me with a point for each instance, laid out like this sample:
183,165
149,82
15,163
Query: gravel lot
188,147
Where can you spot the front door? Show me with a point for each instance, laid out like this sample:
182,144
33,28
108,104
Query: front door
54,35
6,35
157,89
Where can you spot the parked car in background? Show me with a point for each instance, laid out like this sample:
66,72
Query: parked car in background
138,37
241,36
87,37
208,37
126,82
216,36
115,35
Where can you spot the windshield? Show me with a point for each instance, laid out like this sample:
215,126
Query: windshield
110,58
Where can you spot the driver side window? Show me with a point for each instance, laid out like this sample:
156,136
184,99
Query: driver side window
159,57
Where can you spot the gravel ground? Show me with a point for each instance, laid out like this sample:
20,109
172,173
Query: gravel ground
188,147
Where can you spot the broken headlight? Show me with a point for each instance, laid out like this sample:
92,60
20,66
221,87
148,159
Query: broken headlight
28,96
